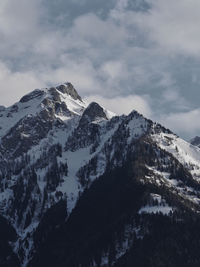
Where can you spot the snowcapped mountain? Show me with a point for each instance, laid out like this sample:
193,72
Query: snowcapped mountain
80,186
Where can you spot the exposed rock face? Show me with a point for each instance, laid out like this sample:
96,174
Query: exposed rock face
92,113
79,188
55,94
36,93
26,133
195,141
69,89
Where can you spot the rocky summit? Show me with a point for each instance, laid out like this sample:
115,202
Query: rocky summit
82,187
195,141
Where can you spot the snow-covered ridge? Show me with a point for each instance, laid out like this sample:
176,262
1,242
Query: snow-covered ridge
62,99
184,152
41,99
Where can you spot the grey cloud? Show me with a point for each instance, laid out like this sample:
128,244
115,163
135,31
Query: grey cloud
186,123
174,25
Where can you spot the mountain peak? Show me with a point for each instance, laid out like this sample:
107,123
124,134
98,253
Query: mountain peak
68,88
93,112
195,141
65,88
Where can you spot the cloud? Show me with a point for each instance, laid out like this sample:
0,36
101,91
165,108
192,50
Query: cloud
19,26
184,123
121,5
14,85
173,25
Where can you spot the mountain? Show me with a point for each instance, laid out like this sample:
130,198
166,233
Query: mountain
80,186
195,141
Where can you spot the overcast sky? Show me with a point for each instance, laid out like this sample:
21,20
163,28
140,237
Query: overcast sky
137,54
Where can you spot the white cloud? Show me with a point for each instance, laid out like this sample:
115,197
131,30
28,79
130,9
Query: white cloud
19,26
14,85
173,25
15,14
184,123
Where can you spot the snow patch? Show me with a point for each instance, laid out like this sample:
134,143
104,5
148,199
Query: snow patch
157,205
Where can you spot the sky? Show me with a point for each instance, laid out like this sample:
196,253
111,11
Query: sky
123,54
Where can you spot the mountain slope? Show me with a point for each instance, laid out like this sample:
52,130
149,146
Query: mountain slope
81,186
